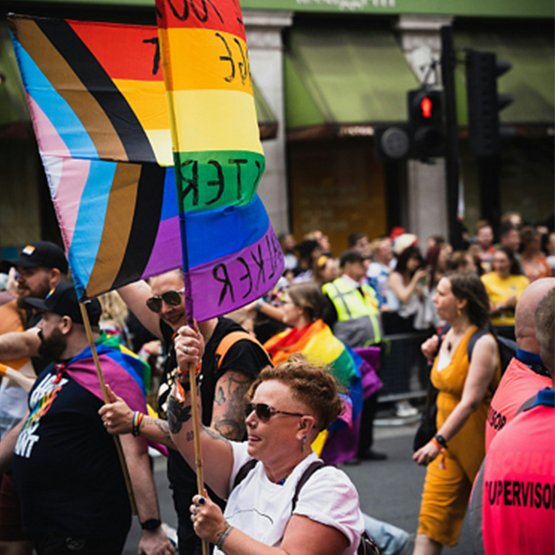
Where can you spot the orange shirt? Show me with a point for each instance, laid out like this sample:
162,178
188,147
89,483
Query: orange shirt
536,268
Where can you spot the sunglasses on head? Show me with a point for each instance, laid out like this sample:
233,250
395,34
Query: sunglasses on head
171,298
265,412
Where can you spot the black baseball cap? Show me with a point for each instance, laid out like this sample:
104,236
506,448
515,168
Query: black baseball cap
41,253
62,300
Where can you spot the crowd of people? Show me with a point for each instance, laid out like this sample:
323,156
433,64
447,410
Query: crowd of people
302,363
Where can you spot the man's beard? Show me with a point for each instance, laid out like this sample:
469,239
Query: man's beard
51,348
21,302
40,293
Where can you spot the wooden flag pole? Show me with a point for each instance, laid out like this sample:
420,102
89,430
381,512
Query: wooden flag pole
198,449
199,465
125,470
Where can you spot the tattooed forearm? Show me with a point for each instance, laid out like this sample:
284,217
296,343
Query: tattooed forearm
230,429
228,417
222,536
162,427
219,396
178,414
214,435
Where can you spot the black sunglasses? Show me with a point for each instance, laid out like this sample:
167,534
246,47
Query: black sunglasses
172,298
265,412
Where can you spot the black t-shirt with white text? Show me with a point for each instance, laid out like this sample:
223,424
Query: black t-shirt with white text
65,467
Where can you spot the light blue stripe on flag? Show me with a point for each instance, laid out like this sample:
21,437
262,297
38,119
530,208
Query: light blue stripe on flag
56,109
90,222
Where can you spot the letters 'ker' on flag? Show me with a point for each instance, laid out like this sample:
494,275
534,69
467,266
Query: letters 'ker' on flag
218,156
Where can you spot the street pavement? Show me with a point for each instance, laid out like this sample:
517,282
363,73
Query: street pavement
389,490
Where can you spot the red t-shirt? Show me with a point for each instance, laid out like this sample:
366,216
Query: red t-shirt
518,384
519,484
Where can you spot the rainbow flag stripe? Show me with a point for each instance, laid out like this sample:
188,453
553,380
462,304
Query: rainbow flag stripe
103,106
217,151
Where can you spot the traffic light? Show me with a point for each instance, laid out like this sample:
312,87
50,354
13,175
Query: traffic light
484,102
426,121
392,142
422,137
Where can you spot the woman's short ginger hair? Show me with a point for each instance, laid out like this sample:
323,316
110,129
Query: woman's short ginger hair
311,384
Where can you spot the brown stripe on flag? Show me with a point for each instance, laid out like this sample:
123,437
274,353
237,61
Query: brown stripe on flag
67,84
117,228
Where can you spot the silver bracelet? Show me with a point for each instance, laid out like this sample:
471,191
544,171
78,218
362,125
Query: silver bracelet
222,536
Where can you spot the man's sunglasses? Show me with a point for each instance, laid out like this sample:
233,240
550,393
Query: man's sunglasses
265,412
171,298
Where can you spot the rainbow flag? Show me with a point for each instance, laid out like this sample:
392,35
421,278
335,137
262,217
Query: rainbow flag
217,154
103,129
123,371
318,344
99,85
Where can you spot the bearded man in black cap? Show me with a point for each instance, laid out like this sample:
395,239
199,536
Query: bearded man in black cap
65,465
40,266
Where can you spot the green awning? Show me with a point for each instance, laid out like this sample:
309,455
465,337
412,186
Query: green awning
267,121
345,77
531,81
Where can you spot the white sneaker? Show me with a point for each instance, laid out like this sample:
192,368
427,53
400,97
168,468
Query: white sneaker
403,409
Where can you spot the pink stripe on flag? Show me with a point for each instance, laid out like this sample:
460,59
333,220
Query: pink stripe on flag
66,176
67,202
48,139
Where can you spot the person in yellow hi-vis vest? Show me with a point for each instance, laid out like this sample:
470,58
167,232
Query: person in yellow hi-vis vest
354,316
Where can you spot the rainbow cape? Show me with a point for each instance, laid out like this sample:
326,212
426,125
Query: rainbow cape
318,344
123,370
102,123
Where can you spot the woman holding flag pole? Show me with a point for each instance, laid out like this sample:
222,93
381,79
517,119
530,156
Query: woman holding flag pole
160,307
267,512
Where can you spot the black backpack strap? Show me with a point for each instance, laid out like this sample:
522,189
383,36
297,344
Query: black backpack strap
480,332
311,469
243,471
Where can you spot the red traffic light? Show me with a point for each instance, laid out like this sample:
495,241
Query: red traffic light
426,107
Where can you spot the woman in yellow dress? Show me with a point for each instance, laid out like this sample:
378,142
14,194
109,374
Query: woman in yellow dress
465,387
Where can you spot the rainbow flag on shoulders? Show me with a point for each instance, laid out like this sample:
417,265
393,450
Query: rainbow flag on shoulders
318,345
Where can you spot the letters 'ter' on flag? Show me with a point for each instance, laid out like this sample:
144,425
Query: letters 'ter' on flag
102,126
218,156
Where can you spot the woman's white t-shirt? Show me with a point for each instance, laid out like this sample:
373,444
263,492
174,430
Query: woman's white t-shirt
262,509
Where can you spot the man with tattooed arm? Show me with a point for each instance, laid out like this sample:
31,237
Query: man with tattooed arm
160,307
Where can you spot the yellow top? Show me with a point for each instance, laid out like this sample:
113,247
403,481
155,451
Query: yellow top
500,290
